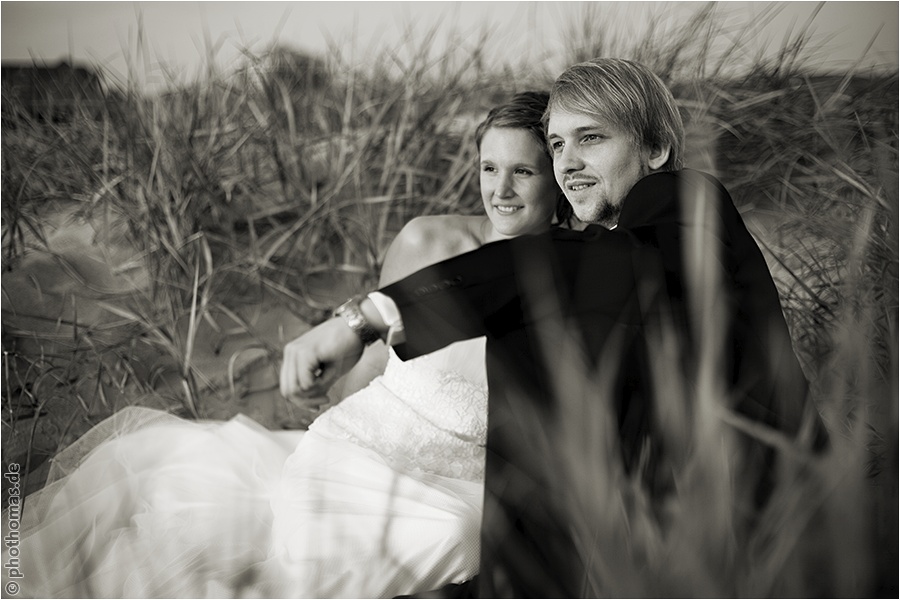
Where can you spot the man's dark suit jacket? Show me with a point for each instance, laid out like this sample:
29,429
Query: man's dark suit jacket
583,316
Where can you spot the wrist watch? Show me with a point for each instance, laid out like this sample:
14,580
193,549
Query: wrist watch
357,321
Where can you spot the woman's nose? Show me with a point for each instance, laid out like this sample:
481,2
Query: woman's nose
504,187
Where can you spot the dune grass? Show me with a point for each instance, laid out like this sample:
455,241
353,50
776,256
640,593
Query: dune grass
242,187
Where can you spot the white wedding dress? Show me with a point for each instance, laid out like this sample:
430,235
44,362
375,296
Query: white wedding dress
380,497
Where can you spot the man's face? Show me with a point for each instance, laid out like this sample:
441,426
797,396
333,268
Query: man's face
596,164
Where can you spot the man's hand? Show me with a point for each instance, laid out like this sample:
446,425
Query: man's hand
316,359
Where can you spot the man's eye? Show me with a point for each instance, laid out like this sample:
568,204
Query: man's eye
523,172
592,137
487,169
556,146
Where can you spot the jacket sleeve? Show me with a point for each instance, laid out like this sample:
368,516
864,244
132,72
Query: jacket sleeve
508,286
457,299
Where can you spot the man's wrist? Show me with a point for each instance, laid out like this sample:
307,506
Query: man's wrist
370,311
364,321
373,317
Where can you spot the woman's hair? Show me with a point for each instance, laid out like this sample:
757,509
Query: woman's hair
525,111
627,94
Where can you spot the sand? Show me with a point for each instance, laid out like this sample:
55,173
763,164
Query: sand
63,296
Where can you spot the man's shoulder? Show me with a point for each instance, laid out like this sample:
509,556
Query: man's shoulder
658,197
674,182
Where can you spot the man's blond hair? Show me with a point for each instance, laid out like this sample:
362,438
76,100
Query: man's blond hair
626,94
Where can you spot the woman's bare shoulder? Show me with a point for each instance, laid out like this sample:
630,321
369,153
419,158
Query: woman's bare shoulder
441,236
426,240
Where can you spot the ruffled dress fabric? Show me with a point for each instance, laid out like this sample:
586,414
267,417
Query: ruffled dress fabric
381,497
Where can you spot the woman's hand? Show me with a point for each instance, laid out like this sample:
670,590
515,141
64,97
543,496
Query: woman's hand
316,359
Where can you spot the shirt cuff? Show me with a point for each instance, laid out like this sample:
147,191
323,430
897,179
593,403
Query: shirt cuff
390,314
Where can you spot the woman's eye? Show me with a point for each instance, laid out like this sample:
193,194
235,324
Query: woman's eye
592,137
487,168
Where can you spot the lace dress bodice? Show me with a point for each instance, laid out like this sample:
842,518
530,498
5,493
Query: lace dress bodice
426,414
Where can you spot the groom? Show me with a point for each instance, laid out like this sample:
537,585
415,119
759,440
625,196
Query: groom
626,318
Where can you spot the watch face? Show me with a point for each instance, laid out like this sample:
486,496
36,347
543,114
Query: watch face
354,318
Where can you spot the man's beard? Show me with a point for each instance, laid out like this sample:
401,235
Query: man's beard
607,214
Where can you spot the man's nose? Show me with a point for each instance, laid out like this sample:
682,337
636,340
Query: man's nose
567,160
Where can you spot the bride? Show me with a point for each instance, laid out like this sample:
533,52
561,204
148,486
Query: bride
380,497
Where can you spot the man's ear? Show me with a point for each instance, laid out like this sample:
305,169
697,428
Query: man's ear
657,156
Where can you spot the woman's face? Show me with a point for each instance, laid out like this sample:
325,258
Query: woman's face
518,188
